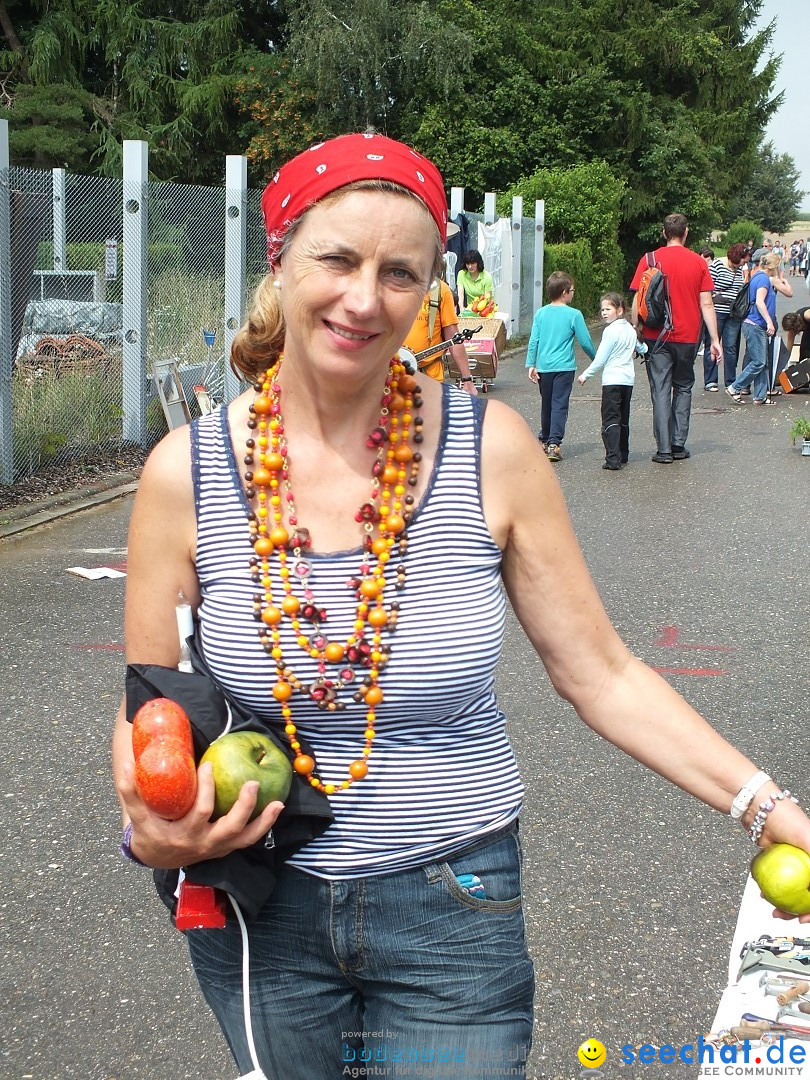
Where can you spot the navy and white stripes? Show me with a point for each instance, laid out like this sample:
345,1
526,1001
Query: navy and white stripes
442,772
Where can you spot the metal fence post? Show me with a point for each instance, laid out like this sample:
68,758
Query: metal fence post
135,232
59,227
235,260
517,241
539,250
456,202
490,213
6,343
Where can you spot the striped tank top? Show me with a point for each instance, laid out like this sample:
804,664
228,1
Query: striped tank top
442,773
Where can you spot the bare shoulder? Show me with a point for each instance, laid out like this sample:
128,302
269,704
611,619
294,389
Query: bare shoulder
516,476
161,551
164,503
168,467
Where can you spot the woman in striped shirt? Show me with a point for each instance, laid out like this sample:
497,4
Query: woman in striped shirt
345,535
729,276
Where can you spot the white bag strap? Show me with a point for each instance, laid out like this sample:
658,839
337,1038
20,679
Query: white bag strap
434,303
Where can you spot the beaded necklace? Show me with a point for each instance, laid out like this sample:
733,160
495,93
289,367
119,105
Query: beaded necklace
384,520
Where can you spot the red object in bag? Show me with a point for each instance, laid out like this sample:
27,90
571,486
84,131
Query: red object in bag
200,907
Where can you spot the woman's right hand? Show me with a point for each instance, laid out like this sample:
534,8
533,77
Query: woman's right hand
533,374
167,845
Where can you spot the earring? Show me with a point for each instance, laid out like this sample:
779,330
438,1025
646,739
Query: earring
277,283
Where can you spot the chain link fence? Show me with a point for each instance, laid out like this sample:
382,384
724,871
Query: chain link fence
70,392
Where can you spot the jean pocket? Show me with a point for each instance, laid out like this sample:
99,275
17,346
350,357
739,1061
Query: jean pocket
496,865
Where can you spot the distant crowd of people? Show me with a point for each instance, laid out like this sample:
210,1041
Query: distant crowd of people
706,322
706,325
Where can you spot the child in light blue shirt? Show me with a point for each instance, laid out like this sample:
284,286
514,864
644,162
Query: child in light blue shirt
550,358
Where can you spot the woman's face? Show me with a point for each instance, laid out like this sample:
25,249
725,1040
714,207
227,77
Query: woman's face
472,269
353,280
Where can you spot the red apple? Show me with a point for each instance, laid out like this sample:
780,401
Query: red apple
158,719
166,778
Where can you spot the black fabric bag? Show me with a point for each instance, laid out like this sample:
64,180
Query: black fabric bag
249,875
741,303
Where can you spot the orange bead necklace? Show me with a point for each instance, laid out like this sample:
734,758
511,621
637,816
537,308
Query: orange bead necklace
384,520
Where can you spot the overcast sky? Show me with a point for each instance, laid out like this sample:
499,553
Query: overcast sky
789,130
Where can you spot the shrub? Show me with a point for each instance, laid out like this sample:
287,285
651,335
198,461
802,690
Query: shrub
583,203
575,259
740,232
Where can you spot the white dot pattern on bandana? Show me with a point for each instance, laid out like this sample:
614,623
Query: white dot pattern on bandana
275,234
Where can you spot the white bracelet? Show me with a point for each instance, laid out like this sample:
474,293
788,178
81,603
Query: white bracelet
745,796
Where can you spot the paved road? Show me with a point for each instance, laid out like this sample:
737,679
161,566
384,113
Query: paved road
632,887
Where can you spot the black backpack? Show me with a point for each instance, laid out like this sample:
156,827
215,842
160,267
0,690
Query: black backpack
741,303
653,304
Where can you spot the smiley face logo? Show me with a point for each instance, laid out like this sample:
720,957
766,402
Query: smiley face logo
592,1054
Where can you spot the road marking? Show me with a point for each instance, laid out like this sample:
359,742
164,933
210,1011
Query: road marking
98,647
690,671
669,638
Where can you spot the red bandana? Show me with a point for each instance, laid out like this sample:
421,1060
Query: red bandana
334,164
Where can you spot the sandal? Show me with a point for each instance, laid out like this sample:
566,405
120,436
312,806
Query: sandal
735,397
763,401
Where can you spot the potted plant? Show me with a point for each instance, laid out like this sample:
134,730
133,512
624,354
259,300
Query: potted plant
801,430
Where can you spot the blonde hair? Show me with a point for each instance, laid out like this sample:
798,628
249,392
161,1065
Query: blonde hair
260,341
771,263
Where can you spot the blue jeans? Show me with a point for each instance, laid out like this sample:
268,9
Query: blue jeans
555,396
404,970
728,330
756,363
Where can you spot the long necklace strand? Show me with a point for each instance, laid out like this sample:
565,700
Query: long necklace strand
384,520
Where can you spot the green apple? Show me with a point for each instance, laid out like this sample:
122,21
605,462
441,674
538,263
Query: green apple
240,756
783,875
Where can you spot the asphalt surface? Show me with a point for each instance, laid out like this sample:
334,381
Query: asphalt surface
632,887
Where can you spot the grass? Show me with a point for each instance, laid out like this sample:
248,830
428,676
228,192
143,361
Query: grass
55,415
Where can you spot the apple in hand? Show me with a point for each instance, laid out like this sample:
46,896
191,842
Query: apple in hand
240,756
166,778
783,875
160,718
163,748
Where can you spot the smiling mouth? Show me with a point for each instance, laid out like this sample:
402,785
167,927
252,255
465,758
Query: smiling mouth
348,334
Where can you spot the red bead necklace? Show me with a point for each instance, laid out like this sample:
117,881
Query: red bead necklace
384,520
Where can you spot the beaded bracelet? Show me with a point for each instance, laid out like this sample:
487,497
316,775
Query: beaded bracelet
125,847
758,824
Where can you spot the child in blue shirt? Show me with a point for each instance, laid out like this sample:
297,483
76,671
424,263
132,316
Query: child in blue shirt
615,358
550,358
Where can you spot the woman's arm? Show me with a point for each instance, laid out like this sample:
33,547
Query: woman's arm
782,286
160,563
762,308
553,595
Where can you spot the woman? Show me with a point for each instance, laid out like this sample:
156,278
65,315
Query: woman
728,276
473,280
758,330
404,916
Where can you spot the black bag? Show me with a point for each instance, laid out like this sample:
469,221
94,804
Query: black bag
249,875
741,303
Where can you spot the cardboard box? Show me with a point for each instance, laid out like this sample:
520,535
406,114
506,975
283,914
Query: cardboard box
494,329
482,355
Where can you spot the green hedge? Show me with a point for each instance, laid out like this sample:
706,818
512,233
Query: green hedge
575,259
